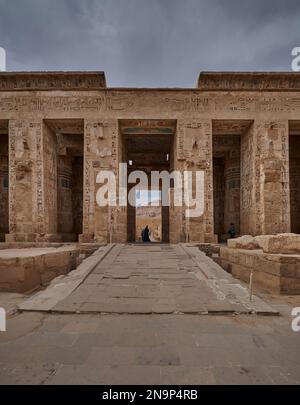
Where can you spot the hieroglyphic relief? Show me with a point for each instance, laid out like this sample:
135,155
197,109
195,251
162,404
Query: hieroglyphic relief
194,152
49,81
30,104
272,172
255,81
154,101
26,162
248,183
101,152
50,169
269,100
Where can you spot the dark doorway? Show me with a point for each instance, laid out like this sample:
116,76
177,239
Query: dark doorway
294,169
147,146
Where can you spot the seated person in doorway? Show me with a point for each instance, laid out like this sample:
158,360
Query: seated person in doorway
232,231
146,235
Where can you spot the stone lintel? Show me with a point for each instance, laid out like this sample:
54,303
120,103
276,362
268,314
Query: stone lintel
22,81
249,81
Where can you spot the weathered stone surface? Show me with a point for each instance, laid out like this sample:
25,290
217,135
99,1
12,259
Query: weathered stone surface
279,273
56,143
282,243
243,242
22,270
147,279
61,287
139,349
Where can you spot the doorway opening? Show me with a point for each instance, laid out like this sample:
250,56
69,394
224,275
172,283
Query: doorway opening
4,181
149,213
147,146
69,176
228,137
294,170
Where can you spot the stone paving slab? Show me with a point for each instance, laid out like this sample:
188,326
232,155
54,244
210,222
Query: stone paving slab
42,348
158,279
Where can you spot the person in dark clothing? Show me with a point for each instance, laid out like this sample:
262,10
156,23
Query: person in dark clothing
146,235
232,231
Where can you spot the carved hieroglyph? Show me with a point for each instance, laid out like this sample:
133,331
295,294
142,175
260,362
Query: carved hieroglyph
194,152
26,201
101,153
268,101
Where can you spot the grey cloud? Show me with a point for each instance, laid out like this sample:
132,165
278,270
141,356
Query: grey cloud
151,43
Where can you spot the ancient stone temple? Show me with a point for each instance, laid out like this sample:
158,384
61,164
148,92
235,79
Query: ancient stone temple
59,129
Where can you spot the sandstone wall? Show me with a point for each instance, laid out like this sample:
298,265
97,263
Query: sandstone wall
4,201
264,187
50,180
23,270
248,183
277,273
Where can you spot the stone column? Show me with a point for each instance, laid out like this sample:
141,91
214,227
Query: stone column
194,152
232,187
272,177
100,224
50,191
250,191
32,182
26,200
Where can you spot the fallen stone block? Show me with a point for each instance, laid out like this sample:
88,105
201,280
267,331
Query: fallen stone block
243,242
285,243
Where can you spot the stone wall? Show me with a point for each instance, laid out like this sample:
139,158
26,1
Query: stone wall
64,186
26,189
23,270
248,183
272,174
270,102
77,194
194,153
4,202
50,180
276,273
101,153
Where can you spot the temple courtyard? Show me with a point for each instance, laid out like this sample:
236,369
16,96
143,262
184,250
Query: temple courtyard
149,314
214,299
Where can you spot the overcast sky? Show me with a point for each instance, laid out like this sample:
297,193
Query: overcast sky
163,43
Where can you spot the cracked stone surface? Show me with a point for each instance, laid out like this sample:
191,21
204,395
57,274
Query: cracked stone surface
42,348
149,279
158,329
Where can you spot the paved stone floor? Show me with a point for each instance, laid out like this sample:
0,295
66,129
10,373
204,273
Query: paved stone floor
173,317
150,279
149,349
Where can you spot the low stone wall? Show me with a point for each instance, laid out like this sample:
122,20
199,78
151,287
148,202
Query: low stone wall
23,270
279,273
210,249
